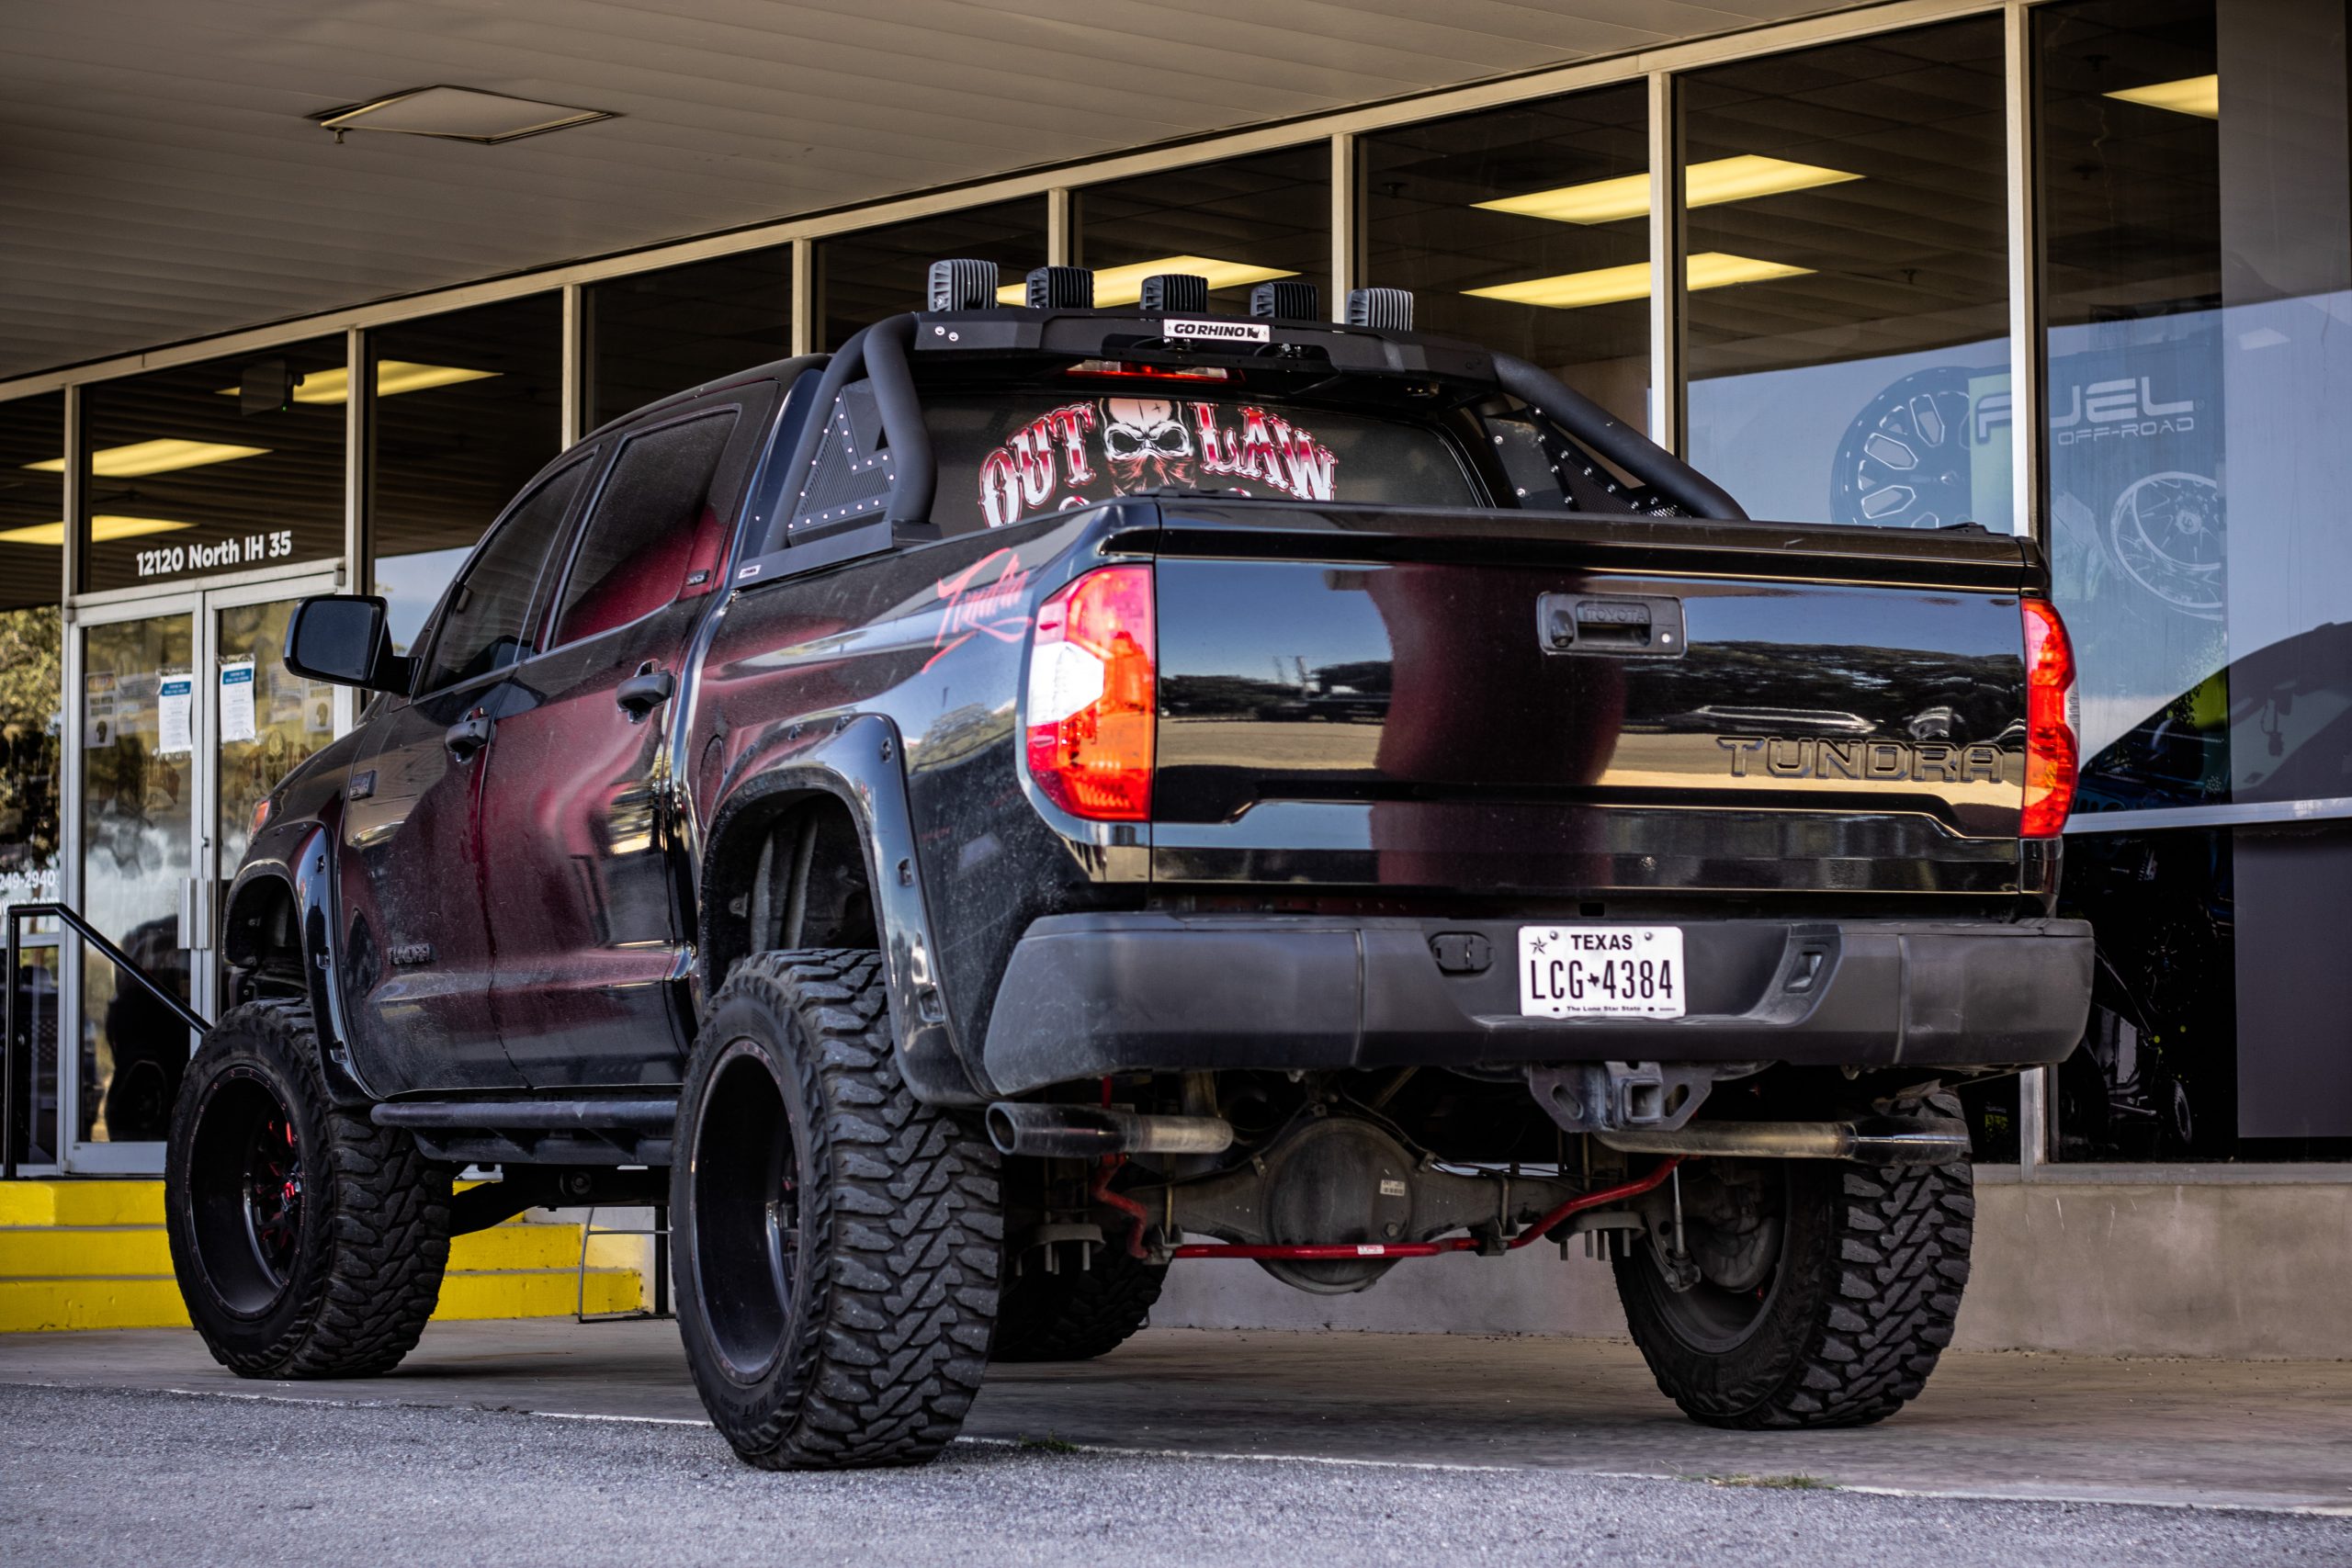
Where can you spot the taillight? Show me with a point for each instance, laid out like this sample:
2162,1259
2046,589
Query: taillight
1092,696
2051,761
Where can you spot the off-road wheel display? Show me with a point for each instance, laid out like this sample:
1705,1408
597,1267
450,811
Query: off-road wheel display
309,1242
1076,1314
1819,1293
838,1242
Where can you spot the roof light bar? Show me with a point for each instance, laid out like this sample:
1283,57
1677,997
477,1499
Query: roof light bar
1175,294
1286,301
963,285
1061,288
1386,309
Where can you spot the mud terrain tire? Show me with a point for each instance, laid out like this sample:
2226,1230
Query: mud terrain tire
1078,1314
309,1242
1871,1265
838,1241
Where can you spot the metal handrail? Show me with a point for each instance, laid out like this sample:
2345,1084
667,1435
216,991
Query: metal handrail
13,1137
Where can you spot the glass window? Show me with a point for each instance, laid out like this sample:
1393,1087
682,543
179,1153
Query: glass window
651,526
219,467
1525,230
863,277
1237,223
469,407
653,333
2197,201
1848,330
487,624
32,533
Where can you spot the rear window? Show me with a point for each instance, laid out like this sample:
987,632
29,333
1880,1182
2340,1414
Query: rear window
1006,457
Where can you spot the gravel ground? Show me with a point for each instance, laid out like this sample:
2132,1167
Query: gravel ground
139,1478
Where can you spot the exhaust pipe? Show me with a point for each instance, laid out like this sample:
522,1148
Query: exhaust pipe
1875,1140
1088,1132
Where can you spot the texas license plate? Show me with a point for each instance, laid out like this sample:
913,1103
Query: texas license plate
1600,972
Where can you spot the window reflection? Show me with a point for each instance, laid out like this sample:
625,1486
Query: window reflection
448,458
225,466
1239,223
1848,309
874,273
1525,230
653,333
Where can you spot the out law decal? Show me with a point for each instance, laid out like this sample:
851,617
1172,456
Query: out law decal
1090,451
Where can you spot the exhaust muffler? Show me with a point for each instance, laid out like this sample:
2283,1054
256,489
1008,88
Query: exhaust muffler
1876,1140
1088,1132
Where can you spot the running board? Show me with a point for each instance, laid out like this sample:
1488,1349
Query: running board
632,1115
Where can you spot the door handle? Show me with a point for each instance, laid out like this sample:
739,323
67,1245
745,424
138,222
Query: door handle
467,736
645,691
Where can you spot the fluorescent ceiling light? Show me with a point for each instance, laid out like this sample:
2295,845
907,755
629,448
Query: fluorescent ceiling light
1614,285
143,457
1703,184
1123,285
2200,96
456,114
392,377
104,529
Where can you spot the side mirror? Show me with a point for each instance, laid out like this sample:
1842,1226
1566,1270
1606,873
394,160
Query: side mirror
343,638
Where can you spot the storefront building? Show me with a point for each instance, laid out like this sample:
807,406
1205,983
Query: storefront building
2081,269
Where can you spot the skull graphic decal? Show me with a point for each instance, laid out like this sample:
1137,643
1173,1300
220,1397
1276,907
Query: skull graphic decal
1146,443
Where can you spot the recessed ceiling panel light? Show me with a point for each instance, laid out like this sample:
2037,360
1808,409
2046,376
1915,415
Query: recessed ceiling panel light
392,377
1615,284
104,529
1703,184
1123,285
2200,96
143,457
456,114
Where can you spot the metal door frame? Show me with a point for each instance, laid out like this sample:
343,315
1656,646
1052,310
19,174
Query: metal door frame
203,603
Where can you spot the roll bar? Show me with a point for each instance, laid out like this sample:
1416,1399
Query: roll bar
1605,435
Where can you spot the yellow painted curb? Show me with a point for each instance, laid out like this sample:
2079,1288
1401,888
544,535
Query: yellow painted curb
96,1203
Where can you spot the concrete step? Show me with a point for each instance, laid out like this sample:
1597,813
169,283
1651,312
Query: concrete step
29,1306
93,1253
97,1203
97,1251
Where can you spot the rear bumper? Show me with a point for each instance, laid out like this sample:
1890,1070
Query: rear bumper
1087,995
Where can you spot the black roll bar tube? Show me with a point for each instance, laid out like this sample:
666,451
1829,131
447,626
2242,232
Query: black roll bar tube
1605,435
13,1110
880,352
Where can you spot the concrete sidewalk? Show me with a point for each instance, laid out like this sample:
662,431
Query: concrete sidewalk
2265,1434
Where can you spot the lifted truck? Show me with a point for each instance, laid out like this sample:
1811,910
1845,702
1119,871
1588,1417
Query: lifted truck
1047,792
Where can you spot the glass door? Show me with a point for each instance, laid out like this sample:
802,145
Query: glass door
187,719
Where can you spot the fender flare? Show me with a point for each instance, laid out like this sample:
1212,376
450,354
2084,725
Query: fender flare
307,877
858,759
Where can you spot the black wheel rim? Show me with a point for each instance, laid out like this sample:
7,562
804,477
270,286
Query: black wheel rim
745,1192
273,1189
247,1206
1708,1318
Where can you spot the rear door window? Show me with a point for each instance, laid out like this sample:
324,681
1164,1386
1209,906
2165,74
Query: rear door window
653,526
485,621
1003,458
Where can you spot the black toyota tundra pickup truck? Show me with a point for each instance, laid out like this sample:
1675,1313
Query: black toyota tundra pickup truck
1045,792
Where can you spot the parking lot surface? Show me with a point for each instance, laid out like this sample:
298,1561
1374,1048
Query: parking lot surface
536,1442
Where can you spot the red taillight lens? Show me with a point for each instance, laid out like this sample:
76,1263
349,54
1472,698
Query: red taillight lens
2050,761
1093,693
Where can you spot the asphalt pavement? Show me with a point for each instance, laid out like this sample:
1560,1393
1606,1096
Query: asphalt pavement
547,1442
93,1477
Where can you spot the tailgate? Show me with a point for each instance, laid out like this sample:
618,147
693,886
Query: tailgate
1545,704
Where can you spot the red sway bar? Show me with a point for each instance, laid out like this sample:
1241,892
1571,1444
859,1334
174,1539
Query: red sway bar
1332,1252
